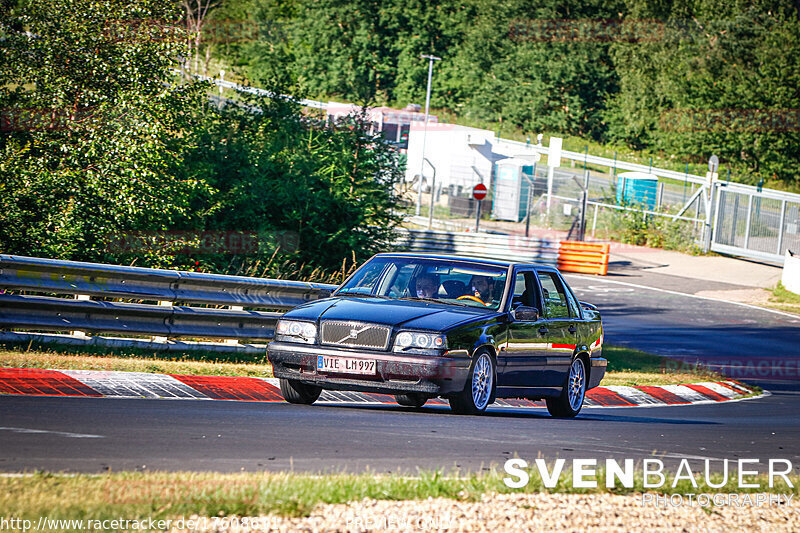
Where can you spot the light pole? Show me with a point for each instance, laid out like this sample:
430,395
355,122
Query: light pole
431,59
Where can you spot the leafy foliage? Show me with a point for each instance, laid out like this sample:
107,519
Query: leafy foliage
108,156
89,144
324,189
688,78
724,79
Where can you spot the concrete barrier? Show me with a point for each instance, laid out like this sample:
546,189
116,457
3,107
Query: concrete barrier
791,273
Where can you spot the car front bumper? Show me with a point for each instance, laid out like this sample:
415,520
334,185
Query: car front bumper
395,373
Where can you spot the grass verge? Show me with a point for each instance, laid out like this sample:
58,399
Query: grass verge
784,300
626,366
159,495
134,360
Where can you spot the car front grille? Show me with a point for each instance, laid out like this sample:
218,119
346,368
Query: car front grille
355,334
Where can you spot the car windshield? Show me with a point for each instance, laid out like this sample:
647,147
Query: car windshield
448,281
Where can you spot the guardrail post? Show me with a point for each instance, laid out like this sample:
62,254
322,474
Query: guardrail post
235,342
159,338
78,333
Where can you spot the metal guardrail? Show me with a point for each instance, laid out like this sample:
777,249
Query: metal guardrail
170,325
114,281
163,320
483,245
62,314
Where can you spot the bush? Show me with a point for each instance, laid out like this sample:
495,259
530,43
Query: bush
124,163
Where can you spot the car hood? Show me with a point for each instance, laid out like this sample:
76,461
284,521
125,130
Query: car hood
405,313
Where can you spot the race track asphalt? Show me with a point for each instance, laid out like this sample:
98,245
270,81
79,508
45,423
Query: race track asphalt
97,434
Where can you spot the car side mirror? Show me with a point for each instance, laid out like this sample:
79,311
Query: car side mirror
525,313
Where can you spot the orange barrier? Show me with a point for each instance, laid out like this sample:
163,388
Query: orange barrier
583,257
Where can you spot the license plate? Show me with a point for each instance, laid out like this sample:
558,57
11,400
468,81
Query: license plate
345,365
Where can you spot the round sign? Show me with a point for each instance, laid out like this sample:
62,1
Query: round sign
713,163
479,192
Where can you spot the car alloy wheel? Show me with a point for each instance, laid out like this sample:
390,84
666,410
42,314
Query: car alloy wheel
576,385
570,402
479,387
482,378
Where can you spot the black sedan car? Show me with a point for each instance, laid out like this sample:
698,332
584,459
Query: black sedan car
420,326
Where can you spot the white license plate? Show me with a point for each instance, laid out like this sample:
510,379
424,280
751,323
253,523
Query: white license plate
345,365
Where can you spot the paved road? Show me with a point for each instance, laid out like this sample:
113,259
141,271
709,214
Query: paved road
86,434
668,319
231,436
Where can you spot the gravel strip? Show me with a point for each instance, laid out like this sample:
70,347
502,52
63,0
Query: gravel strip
522,512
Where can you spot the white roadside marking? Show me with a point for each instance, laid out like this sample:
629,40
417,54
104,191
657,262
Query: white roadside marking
686,393
634,395
719,389
134,384
750,306
739,387
59,433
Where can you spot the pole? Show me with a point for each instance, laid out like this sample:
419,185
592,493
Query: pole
430,59
478,215
531,187
433,193
584,203
614,168
550,174
528,215
685,181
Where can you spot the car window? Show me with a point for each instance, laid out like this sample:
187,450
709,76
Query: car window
365,278
555,299
454,282
574,307
400,280
526,291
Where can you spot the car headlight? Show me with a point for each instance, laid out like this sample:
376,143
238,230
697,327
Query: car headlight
296,331
415,339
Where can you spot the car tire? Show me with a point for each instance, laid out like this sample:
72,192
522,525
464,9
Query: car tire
412,399
296,392
479,389
570,402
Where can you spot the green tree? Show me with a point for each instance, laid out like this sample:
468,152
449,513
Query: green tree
280,173
90,116
722,78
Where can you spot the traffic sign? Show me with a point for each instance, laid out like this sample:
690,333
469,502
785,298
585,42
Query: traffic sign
479,191
713,163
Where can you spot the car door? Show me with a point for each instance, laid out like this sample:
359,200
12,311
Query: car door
560,326
524,357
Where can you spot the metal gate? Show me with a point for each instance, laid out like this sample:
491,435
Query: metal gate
759,224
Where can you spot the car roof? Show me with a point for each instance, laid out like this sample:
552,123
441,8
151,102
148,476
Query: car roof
494,262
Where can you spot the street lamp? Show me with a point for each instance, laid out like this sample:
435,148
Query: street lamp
430,59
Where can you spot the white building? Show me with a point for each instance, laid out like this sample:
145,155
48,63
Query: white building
462,156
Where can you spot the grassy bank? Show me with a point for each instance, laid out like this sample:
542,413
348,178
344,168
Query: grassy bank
626,366
784,300
134,360
136,495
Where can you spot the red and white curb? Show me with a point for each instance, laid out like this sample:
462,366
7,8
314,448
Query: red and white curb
111,384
